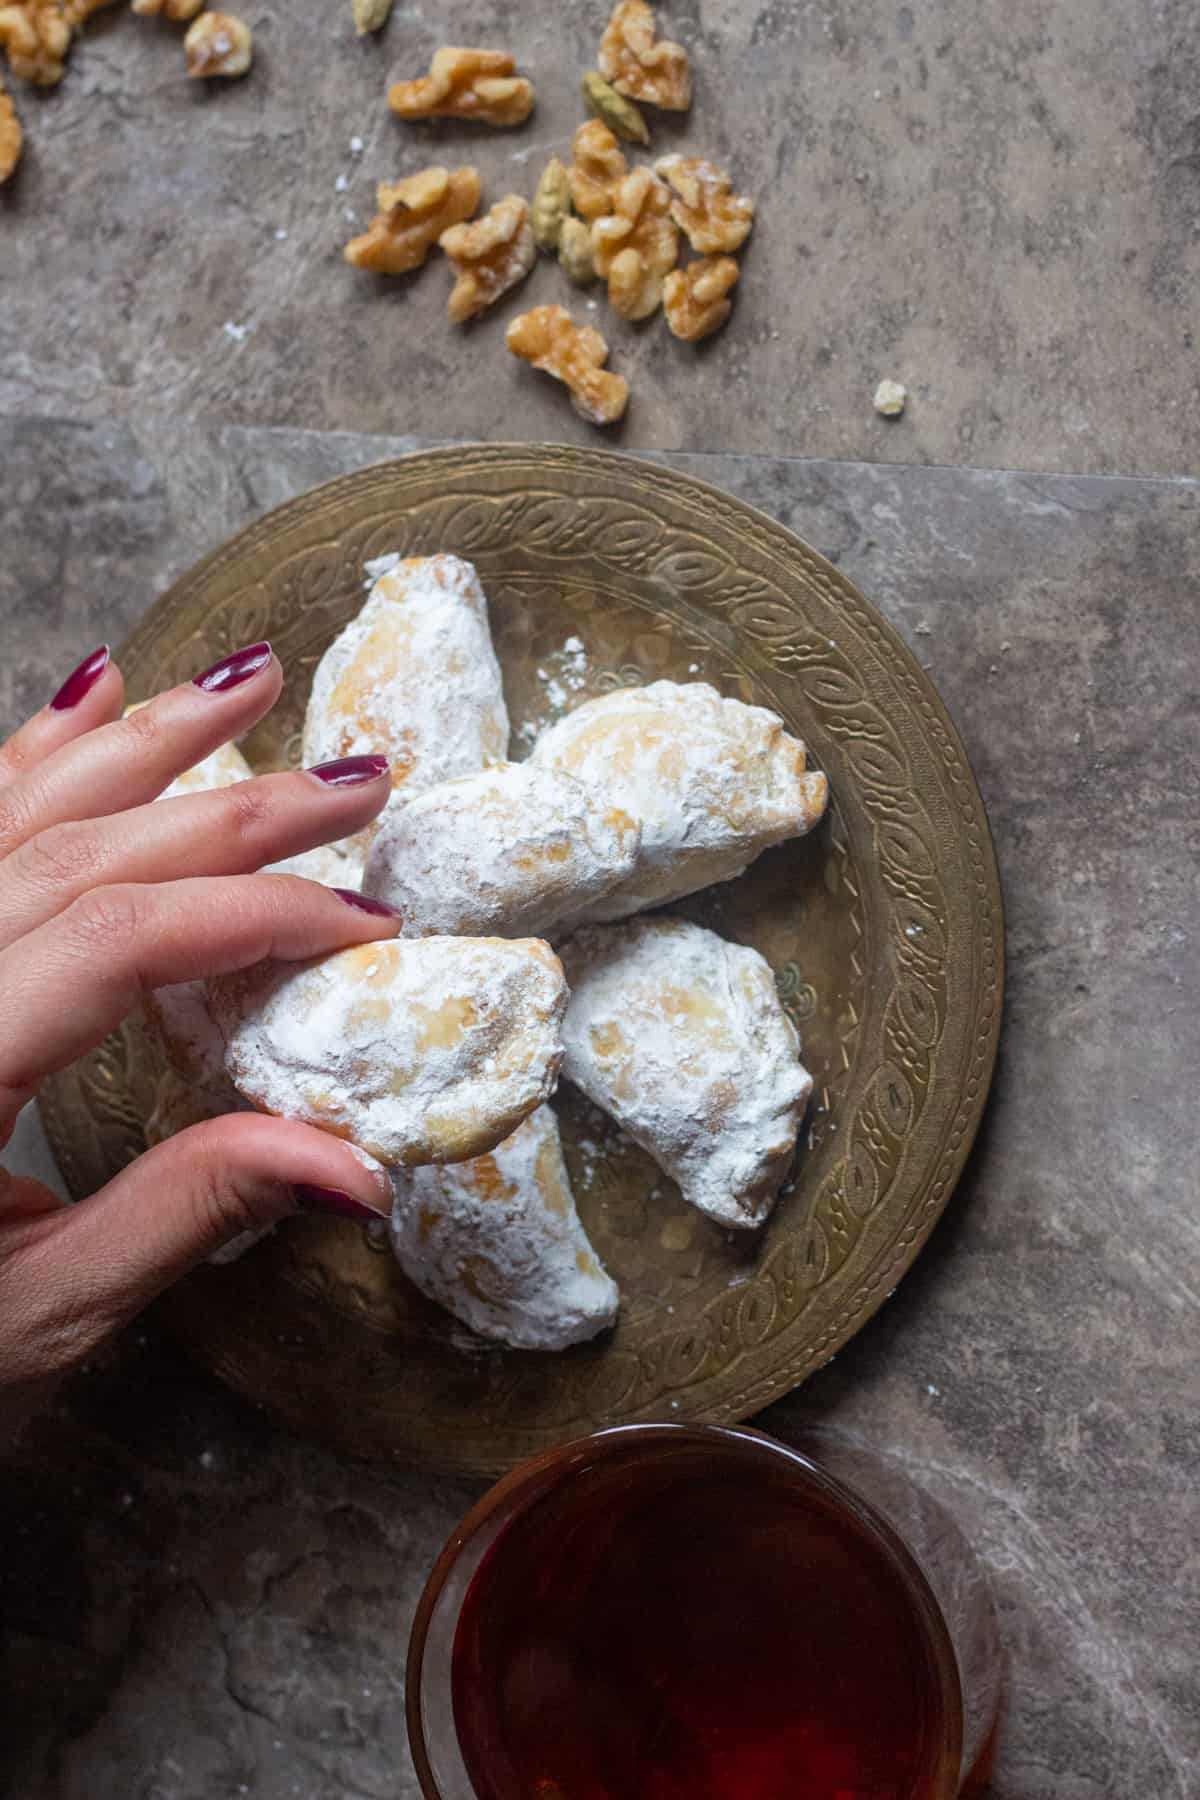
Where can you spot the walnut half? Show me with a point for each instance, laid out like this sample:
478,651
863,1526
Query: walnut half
641,65
597,169
489,256
635,245
412,216
696,300
715,220
36,34
549,338
466,84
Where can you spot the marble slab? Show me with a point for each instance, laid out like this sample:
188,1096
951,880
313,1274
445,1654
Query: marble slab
995,205
194,1604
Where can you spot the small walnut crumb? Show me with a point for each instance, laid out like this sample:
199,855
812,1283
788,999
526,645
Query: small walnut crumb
641,67
369,15
178,11
489,256
10,135
551,204
549,338
716,221
218,44
890,399
575,253
466,84
36,35
412,216
618,113
635,245
696,299
597,170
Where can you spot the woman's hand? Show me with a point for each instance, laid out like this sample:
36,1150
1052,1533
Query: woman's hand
104,896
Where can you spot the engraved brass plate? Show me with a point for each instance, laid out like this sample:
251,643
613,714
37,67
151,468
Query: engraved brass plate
884,929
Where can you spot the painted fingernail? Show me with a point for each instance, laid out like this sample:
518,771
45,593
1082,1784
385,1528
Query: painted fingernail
82,680
351,771
231,671
366,903
333,1201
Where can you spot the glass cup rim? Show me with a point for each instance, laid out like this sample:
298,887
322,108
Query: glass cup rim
539,1472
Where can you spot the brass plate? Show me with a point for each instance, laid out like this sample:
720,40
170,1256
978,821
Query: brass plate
884,929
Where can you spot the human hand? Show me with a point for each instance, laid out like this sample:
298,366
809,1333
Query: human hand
105,896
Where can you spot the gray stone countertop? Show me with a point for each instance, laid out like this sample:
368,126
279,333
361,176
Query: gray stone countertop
194,1605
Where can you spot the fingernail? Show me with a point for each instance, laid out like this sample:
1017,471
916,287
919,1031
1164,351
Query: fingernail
231,671
82,680
333,1201
366,903
351,771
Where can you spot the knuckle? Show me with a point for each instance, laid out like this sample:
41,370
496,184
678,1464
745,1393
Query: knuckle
142,728
61,856
224,1200
16,816
248,808
109,919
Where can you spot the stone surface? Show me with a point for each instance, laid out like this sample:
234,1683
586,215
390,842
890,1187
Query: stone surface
995,205
195,1605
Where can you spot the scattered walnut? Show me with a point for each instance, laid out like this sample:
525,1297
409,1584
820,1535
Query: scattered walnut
634,246
218,44
36,34
597,170
466,84
412,217
639,67
10,136
696,300
891,397
551,204
549,338
175,10
489,256
575,252
369,15
715,220
618,113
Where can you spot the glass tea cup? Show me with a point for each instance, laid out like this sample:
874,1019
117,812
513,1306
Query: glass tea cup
671,1611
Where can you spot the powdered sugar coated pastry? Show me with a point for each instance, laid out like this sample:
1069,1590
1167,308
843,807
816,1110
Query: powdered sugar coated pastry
681,1037
181,1018
414,678
517,850
712,782
497,1241
330,864
418,1051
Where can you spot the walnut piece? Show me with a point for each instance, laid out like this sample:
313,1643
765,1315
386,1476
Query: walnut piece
551,204
175,10
549,338
489,256
597,170
218,44
466,84
716,221
575,252
635,245
36,34
412,216
369,15
618,113
696,300
640,67
10,135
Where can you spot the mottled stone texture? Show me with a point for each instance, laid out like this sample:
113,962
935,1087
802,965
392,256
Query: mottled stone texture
196,1606
995,204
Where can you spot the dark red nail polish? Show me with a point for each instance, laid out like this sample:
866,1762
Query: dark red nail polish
231,671
366,903
351,771
333,1201
82,680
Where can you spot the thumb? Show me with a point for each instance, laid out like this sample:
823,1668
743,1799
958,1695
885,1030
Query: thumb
84,1271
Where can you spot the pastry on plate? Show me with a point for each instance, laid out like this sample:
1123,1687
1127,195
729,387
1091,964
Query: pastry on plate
517,849
682,1039
417,1050
498,1243
414,678
712,783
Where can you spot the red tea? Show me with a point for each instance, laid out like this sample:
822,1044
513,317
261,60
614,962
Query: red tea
693,1625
